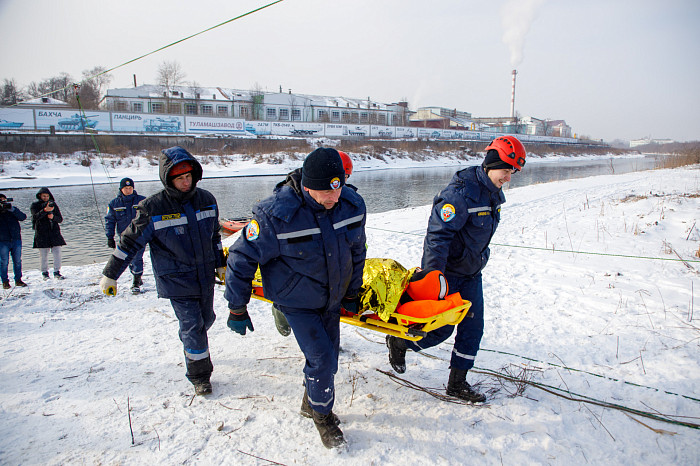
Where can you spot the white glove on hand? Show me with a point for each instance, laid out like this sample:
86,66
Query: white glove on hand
108,286
221,274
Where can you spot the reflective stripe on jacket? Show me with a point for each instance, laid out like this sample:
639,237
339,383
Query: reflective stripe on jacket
309,257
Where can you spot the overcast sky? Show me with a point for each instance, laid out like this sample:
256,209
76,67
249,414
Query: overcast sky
611,69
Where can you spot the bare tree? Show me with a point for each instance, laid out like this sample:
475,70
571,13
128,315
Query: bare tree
99,79
11,93
57,87
168,76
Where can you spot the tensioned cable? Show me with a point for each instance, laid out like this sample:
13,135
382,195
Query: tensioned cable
573,369
553,249
161,48
99,154
572,396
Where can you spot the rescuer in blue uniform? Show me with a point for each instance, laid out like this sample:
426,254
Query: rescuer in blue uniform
464,218
120,212
309,241
181,224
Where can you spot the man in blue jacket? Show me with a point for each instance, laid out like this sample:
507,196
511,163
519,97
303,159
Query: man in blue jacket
120,212
464,218
181,224
309,241
10,241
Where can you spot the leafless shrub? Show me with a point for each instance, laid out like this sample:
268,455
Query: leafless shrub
519,379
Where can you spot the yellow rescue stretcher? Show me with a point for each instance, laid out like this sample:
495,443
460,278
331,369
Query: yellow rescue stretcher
384,283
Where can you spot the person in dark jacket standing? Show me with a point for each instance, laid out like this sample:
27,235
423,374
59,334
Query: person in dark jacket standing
120,212
181,224
464,218
309,241
293,179
10,241
46,219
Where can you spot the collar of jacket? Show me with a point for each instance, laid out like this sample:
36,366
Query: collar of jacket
179,195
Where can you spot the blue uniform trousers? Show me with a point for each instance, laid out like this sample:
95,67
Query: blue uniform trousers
136,265
318,335
196,316
469,331
14,249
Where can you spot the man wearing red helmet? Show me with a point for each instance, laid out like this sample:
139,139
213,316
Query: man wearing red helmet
464,218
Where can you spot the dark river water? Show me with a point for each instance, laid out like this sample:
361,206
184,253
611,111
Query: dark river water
383,190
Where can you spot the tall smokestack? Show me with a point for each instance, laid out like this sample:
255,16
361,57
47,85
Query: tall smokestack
512,97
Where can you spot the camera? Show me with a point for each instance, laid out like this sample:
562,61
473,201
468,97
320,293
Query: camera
6,203
50,204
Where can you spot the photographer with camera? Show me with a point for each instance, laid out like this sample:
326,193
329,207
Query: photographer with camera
10,241
46,217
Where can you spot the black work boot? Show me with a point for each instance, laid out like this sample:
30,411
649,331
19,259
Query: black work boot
199,373
136,285
281,322
397,353
202,387
458,387
307,411
331,435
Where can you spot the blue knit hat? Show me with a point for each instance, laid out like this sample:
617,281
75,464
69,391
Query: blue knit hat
126,182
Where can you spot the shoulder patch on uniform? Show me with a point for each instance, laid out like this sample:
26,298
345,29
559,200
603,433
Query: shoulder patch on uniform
252,230
447,212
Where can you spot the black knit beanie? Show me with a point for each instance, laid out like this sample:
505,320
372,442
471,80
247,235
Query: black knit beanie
323,170
126,182
493,161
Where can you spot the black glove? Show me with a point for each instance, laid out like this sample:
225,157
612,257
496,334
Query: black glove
110,243
351,304
239,320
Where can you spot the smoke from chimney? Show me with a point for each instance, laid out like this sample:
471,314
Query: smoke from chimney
516,18
512,97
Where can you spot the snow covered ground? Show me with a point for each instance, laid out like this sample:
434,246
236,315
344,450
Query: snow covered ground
87,379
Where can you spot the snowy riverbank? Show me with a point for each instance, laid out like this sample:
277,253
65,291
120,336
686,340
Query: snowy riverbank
80,371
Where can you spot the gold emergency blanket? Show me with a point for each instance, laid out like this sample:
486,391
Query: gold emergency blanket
383,283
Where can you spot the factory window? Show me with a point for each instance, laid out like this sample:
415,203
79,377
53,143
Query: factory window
174,108
271,114
346,117
207,110
322,115
121,106
157,107
243,110
335,115
137,107
363,117
382,119
296,114
190,109
222,110
284,114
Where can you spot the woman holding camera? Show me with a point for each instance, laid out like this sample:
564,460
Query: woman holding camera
46,217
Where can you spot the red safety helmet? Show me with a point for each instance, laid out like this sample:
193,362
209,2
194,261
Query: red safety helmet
510,150
347,162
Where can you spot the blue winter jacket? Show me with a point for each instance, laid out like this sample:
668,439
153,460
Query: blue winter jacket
309,257
182,230
120,213
9,224
464,218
